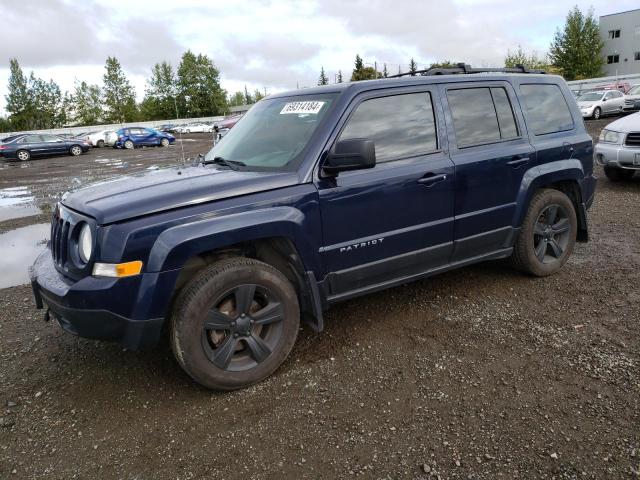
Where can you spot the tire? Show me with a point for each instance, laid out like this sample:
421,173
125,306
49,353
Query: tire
597,113
164,142
75,150
548,234
246,348
618,174
187,131
23,155
100,143
128,145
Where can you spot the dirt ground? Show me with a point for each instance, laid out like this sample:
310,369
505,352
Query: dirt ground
479,373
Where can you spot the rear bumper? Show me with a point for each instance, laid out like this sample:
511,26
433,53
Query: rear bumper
620,156
80,307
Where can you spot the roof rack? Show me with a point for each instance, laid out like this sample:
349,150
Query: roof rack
463,68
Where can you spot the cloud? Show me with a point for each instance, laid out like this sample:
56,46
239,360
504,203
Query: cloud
49,33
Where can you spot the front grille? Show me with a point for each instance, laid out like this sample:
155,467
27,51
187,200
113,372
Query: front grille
633,139
59,239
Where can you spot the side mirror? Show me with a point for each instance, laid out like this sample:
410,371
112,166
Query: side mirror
354,154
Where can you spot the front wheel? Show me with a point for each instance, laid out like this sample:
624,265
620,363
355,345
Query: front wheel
164,142
234,323
100,143
618,174
75,150
128,144
597,113
548,234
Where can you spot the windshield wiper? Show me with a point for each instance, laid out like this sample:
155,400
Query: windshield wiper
232,164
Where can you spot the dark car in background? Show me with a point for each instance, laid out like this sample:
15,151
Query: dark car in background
167,127
24,147
132,137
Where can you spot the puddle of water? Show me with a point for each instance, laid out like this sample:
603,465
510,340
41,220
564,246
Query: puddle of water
17,202
19,248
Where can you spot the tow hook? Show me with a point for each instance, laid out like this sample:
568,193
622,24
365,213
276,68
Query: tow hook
46,317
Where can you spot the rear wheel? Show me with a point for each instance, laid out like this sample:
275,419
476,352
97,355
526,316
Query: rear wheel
75,150
23,155
100,143
128,144
164,142
548,234
597,113
618,174
235,323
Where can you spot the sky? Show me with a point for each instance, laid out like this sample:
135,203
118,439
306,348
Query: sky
274,45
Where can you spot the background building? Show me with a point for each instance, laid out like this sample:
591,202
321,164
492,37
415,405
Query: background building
620,33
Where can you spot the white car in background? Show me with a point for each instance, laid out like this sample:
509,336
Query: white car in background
196,127
600,102
100,138
618,149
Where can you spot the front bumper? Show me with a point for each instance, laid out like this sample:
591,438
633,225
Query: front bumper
619,156
587,112
84,308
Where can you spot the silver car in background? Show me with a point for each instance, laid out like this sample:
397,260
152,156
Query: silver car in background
618,148
600,102
632,99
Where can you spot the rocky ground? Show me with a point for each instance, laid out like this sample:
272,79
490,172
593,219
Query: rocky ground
478,373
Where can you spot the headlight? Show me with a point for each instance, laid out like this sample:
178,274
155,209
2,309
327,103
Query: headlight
85,243
609,136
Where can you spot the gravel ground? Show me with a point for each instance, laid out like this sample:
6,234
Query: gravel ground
478,373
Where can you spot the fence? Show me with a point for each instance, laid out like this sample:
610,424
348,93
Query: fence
631,78
116,126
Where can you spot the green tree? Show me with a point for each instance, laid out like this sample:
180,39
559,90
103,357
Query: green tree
86,104
18,98
236,99
413,67
5,125
258,95
339,79
529,60
119,95
322,79
576,50
200,93
360,72
160,93
248,99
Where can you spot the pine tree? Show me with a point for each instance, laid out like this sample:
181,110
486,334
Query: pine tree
200,93
576,50
86,104
248,99
413,67
360,72
323,80
119,95
257,95
339,76
18,102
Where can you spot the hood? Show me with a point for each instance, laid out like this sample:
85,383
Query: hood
168,188
632,97
630,123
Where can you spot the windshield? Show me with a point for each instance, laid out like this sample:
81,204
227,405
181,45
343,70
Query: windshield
591,97
635,90
273,134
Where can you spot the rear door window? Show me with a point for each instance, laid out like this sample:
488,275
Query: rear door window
401,126
481,115
547,109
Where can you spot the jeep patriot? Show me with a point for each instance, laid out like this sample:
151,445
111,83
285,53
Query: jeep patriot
317,196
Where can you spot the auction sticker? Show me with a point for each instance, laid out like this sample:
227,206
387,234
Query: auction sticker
312,107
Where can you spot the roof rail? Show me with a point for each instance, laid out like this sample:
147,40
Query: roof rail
463,68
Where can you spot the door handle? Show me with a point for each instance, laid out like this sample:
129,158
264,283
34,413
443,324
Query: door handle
518,161
431,179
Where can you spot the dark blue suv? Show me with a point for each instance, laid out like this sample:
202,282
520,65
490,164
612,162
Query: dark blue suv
317,196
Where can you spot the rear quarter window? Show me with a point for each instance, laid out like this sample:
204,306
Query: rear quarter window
547,109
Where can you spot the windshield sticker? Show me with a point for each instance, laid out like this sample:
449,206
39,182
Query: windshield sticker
302,108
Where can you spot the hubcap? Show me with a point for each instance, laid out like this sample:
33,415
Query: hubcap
242,328
23,155
551,234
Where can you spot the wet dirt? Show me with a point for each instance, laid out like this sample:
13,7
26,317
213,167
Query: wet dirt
479,373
